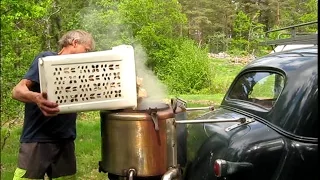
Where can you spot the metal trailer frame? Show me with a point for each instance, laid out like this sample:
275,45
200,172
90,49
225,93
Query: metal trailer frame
295,37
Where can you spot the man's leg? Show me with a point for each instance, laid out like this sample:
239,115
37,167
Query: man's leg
33,161
63,166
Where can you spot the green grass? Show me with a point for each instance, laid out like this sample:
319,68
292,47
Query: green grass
88,142
223,73
9,154
200,99
88,146
87,149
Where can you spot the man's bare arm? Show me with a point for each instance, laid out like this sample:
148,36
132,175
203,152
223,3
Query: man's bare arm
21,92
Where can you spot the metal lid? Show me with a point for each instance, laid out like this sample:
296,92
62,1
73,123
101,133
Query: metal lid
146,104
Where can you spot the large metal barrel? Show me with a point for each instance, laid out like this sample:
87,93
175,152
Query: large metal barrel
135,139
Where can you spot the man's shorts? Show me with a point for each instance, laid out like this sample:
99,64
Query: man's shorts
57,160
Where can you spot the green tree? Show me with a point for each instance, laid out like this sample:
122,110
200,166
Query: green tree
156,25
247,33
208,17
22,31
310,15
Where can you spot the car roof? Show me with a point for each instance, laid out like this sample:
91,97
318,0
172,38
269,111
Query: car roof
281,48
288,60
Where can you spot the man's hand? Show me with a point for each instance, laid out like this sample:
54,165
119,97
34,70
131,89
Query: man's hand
21,92
48,108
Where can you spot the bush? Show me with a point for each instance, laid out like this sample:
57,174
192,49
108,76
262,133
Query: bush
189,70
160,51
237,52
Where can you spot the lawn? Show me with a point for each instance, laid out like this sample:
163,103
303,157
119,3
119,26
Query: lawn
88,150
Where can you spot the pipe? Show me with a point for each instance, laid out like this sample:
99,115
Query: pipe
172,173
241,120
171,143
131,173
210,108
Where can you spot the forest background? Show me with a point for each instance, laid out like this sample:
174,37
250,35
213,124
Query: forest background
175,35
172,38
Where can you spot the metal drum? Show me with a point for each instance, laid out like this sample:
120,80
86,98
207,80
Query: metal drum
135,139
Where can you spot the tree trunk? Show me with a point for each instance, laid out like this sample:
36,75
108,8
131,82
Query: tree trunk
278,13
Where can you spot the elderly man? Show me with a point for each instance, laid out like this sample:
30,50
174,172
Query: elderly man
47,139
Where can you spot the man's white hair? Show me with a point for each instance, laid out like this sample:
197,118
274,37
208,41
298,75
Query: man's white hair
83,37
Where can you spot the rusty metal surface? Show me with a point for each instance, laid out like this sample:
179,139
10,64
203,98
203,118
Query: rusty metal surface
172,156
129,140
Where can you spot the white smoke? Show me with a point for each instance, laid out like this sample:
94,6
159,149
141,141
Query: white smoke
109,34
156,90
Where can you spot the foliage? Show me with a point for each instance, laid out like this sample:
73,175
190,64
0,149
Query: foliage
311,11
247,33
189,71
155,25
207,17
175,34
310,15
218,42
160,27
22,30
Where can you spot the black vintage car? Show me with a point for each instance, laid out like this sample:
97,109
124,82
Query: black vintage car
275,99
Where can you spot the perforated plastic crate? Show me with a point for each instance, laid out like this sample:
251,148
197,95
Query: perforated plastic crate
104,80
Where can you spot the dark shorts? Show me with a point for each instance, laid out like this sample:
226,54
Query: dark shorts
57,160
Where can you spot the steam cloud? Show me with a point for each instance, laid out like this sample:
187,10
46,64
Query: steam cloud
155,89
110,35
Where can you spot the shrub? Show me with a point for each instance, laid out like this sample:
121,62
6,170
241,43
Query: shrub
189,70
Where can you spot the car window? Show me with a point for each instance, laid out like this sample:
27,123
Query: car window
260,88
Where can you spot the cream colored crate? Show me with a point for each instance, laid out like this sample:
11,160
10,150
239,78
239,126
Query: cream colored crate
104,80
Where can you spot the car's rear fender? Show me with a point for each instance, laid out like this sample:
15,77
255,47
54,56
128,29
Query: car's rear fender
254,143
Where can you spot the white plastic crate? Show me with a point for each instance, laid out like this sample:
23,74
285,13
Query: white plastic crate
104,80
